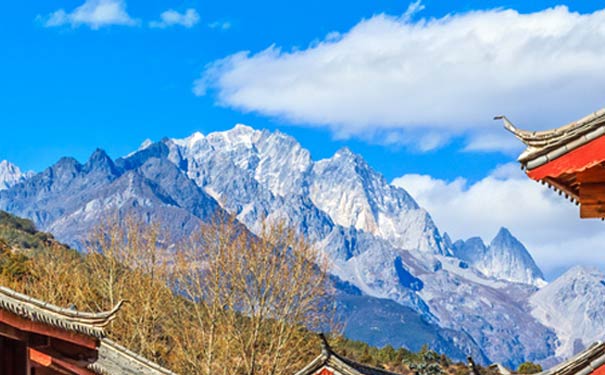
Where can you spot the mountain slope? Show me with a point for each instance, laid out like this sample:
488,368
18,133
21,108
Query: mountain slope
70,198
573,306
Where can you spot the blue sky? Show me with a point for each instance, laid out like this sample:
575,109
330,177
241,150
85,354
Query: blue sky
66,91
70,85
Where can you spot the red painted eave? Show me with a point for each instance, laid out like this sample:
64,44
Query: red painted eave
577,160
599,371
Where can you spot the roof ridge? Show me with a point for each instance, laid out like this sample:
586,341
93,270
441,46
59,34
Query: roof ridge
547,145
593,356
33,309
545,135
356,364
110,345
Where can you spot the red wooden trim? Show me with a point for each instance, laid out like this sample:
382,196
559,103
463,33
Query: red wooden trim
599,371
42,359
325,371
46,330
583,157
52,362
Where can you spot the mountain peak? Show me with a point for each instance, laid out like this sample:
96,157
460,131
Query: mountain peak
67,162
243,128
507,258
471,250
191,140
347,157
11,175
8,167
99,160
345,152
504,236
99,155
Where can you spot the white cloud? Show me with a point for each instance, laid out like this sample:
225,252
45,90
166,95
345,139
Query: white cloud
220,25
93,13
173,18
545,222
445,76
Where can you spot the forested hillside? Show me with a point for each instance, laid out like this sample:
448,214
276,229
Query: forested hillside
128,262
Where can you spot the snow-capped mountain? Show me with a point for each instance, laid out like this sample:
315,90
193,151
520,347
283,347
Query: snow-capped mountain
70,198
389,261
354,195
11,175
572,306
505,258
366,227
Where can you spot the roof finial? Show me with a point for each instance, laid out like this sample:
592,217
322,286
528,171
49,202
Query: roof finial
325,346
507,124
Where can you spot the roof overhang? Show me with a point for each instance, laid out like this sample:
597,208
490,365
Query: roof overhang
569,159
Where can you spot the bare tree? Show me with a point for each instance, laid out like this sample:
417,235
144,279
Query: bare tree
256,297
127,260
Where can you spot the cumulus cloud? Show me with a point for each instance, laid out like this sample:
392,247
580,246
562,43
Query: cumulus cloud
403,77
93,13
171,17
545,222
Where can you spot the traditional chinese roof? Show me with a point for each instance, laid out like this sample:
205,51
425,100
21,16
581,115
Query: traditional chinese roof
330,360
89,324
583,363
547,145
117,360
569,159
109,358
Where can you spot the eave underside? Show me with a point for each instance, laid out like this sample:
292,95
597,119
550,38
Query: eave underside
579,175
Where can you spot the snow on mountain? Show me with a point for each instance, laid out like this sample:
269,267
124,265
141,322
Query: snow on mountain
275,172
377,237
505,258
11,175
573,306
354,195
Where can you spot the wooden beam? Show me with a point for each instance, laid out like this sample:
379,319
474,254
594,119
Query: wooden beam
26,325
592,194
81,355
13,333
40,358
592,211
592,175
47,358
592,200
